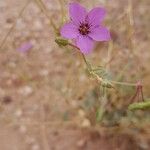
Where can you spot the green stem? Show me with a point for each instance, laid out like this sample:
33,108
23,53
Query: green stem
99,78
83,56
87,63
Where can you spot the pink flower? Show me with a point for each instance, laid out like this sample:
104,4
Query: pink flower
85,27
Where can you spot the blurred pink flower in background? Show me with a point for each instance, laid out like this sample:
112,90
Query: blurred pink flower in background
85,27
25,47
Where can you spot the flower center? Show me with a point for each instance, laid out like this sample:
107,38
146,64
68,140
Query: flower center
84,29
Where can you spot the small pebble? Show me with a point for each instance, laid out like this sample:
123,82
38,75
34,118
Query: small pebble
74,103
81,113
86,123
20,25
82,78
26,90
7,100
30,140
35,147
81,143
3,4
38,25
44,72
18,113
23,129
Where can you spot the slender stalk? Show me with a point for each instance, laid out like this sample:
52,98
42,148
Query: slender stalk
97,77
130,26
62,11
13,26
109,55
103,103
123,83
83,56
86,62
43,8
44,129
142,95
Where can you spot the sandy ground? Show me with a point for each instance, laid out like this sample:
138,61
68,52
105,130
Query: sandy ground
42,92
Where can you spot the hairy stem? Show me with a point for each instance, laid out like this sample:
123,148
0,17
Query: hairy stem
99,79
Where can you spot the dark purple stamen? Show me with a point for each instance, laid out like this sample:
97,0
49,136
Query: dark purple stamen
84,28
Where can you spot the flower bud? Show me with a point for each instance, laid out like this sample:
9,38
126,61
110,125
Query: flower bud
61,42
140,105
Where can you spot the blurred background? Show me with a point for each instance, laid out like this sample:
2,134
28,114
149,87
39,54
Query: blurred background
48,101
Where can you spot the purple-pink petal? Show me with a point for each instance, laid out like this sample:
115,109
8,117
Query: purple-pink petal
25,47
77,13
96,16
69,31
100,34
85,44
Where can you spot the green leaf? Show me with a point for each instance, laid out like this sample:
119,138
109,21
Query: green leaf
100,71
